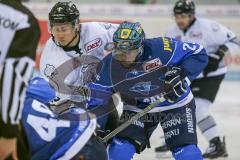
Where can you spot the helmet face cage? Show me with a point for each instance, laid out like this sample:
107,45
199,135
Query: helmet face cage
184,7
63,12
129,36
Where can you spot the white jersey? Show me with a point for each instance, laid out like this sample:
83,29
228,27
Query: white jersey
12,20
208,33
95,37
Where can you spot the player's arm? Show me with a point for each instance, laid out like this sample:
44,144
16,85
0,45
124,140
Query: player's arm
102,105
191,58
225,40
187,61
223,36
101,102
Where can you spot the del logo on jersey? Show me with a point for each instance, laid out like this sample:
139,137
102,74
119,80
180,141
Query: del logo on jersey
96,43
152,65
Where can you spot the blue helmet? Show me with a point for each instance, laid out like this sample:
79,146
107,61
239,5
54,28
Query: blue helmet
129,36
40,90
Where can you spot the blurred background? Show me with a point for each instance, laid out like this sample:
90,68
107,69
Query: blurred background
143,1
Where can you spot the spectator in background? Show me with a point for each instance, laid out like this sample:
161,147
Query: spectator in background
19,38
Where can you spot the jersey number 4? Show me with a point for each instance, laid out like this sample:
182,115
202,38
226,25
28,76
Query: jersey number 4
44,126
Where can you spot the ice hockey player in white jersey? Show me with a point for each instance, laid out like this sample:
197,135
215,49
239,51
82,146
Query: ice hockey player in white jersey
71,40
218,41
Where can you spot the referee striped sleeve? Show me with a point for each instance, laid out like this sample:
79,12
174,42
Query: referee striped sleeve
14,78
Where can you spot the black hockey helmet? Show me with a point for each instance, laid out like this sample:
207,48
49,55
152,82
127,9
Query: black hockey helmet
63,12
184,6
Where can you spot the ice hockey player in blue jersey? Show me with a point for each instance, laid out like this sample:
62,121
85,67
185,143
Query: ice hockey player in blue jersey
51,137
132,57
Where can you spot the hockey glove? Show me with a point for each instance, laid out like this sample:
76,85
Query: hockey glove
59,106
215,59
175,77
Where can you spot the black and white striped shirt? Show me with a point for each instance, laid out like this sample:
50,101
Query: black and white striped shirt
19,36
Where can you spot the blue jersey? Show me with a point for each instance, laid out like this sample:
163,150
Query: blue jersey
158,52
49,136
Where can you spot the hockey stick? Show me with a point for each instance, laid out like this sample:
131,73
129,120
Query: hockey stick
132,119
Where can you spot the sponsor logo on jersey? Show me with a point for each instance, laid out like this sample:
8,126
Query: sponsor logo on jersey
138,123
143,88
94,44
172,122
189,120
8,23
179,152
166,44
195,34
152,99
152,65
171,133
50,71
134,73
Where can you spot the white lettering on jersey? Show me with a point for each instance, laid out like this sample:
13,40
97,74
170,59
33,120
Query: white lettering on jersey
45,127
11,20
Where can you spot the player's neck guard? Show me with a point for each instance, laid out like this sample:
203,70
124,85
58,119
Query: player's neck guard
190,25
68,48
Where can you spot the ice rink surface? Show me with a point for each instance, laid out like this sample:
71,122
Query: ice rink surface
226,111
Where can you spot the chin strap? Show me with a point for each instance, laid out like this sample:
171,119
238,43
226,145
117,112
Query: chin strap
190,24
71,40
56,42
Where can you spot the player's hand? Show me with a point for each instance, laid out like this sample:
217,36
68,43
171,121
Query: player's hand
214,60
102,133
59,106
175,78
